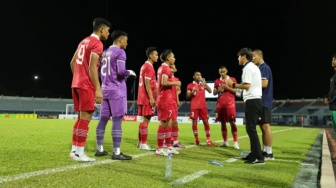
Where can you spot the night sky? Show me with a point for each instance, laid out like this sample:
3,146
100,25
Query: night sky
297,37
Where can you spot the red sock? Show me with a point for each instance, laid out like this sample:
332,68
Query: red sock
194,128
207,130
74,135
168,133
160,136
82,132
144,133
224,131
234,131
139,133
175,130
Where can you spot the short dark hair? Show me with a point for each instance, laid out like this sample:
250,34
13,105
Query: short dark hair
116,34
164,54
222,67
259,52
247,52
149,50
334,56
99,22
196,72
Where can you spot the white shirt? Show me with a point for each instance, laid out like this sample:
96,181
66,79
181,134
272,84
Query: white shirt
252,75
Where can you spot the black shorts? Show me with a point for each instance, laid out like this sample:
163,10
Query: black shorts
265,116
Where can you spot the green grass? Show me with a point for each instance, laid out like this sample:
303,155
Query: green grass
42,146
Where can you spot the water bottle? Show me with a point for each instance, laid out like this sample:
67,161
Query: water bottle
244,153
169,164
216,163
239,93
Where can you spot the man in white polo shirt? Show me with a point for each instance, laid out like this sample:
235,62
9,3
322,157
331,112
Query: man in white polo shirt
252,91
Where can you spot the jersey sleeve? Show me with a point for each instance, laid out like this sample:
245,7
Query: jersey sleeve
233,79
149,73
265,74
121,63
97,47
165,71
189,87
216,85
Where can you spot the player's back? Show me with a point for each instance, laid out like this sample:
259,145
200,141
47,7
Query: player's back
113,84
81,75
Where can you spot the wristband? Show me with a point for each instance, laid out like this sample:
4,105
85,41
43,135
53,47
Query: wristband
234,85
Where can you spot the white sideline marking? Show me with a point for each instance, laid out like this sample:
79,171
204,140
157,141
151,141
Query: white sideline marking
89,164
189,178
63,169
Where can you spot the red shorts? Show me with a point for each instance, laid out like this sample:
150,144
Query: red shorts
175,112
165,112
202,114
145,110
84,100
226,115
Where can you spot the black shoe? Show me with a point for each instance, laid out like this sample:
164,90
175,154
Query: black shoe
121,157
248,157
100,153
264,153
268,156
255,161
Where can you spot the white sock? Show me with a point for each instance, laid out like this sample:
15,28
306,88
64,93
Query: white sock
79,151
269,151
175,141
265,148
116,151
100,148
73,148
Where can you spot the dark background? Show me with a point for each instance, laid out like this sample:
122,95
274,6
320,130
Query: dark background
297,38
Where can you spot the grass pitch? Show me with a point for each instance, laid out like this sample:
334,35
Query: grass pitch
35,153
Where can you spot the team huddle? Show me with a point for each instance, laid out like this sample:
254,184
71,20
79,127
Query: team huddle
157,91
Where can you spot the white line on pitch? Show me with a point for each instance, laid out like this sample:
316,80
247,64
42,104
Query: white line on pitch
62,169
189,178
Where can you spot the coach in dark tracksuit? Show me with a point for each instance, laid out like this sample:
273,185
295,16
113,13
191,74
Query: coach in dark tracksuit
252,91
330,98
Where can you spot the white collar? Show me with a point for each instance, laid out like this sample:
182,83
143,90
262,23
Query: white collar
227,77
94,35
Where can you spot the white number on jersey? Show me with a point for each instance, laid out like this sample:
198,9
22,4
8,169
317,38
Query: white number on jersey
105,65
140,78
80,54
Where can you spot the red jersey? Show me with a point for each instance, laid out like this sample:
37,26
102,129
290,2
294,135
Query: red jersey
225,99
146,72
165,92
81,75
174,94
197,99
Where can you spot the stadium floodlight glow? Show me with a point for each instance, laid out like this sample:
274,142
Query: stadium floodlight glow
36,77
